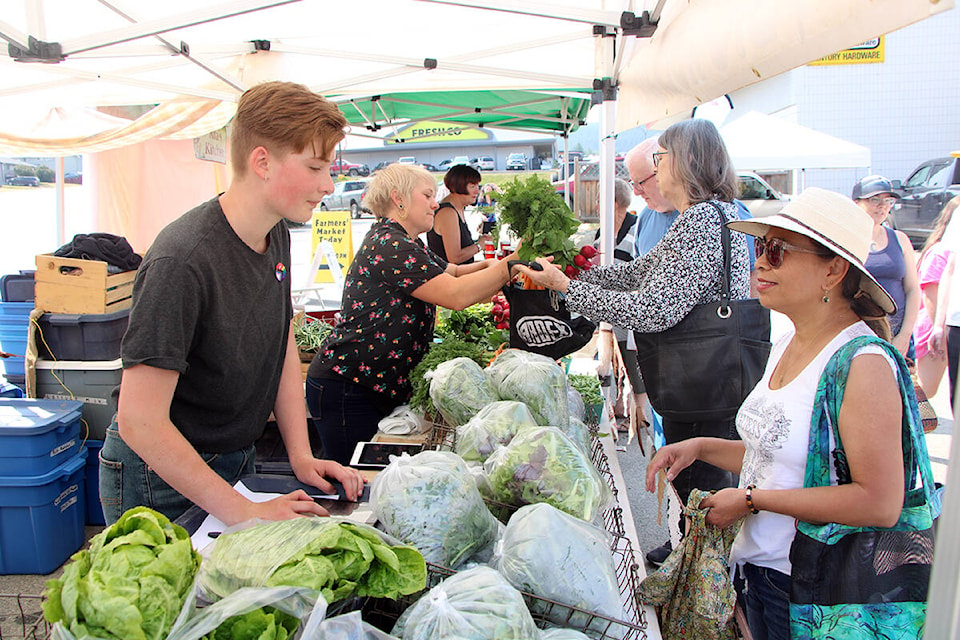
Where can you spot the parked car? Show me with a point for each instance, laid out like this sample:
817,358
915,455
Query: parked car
407,160
516,162
429,167
378,166
757,194
73,178
483,163
929,187
24,181
346,196
341,167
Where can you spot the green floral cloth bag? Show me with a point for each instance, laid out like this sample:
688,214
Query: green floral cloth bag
692,589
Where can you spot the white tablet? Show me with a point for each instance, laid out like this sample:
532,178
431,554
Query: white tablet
376,455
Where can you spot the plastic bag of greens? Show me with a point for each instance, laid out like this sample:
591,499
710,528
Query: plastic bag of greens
476,604
252,613
575,403
542,464
580,434
493,426
336,557
535,380
573,565
431,501
459,389
349,626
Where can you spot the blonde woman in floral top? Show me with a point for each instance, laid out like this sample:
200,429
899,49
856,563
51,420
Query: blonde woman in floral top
657,290
390,294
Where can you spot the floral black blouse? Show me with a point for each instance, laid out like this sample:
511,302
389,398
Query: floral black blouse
383,330
657,290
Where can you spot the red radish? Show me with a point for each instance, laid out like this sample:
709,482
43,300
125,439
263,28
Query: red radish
579,260
497,309
571,271
587,251
503,325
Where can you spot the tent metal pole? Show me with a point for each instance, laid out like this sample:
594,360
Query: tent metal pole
61,216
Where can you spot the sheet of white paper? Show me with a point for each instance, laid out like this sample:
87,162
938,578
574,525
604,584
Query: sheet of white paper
210,524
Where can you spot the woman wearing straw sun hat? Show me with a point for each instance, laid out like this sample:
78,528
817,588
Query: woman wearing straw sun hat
810,262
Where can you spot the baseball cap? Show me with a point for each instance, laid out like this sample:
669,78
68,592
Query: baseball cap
871,186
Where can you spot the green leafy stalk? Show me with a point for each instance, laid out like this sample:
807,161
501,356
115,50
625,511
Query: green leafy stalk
540,217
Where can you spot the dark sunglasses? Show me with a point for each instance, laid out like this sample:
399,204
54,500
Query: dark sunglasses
774,248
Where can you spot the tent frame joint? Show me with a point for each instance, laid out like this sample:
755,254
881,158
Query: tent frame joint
38,51
642,26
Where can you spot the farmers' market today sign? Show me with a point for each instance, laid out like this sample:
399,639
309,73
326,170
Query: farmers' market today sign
335,227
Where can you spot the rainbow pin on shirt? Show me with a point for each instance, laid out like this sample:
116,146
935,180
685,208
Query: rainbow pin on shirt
280,272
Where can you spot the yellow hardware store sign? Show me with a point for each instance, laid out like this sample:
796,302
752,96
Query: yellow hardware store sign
334,228
439,131
868,52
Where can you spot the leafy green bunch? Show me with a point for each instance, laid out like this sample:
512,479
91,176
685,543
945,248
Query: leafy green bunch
130,584
474,324
540,217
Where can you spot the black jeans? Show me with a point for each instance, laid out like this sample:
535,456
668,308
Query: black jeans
700,475
343,415
953,355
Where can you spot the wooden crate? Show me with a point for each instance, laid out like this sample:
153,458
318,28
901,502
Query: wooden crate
70,285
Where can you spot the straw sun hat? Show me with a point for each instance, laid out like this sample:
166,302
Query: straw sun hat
834,221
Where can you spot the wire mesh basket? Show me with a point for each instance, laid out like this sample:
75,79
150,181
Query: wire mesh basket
21,617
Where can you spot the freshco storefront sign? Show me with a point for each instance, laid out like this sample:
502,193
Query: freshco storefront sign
438,132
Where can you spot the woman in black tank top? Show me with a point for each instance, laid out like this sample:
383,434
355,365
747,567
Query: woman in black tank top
450,237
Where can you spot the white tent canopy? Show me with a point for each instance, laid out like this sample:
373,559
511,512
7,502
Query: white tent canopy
759,142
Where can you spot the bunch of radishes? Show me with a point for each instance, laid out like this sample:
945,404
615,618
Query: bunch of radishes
581,262
500,311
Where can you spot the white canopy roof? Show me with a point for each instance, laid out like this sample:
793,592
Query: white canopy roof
765,143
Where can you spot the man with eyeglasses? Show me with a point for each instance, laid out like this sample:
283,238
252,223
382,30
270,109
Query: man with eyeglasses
891,260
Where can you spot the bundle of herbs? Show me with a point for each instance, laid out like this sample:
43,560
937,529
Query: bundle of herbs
540,217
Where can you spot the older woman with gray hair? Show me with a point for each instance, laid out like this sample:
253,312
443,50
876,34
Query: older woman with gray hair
657,290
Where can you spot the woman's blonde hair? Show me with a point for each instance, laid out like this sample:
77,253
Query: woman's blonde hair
397,178
699,160
939,226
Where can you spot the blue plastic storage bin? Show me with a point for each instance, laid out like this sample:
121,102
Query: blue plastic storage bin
14,322
36,436
41,518
92,478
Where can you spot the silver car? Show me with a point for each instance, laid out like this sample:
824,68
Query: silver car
346,196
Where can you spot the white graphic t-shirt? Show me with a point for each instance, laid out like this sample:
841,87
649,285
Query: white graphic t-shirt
775,429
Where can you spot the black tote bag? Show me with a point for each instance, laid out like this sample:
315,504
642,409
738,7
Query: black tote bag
541,323
704,366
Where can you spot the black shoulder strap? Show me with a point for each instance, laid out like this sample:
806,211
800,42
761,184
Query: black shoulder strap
725,241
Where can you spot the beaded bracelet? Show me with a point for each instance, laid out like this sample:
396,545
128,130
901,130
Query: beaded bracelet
749,497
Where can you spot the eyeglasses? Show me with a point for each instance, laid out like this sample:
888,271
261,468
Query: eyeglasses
774,249
656,157
638,185
880,201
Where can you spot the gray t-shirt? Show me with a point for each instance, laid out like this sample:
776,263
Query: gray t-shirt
211,308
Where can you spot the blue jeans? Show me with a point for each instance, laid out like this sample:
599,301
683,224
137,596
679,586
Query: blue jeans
765,597
126,481
343,414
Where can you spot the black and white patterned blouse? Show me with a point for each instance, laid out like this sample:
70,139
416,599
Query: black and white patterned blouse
657,290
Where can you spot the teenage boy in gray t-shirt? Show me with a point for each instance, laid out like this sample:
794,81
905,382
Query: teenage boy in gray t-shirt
209,352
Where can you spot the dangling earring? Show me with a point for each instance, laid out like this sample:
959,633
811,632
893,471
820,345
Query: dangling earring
826,296
403,214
